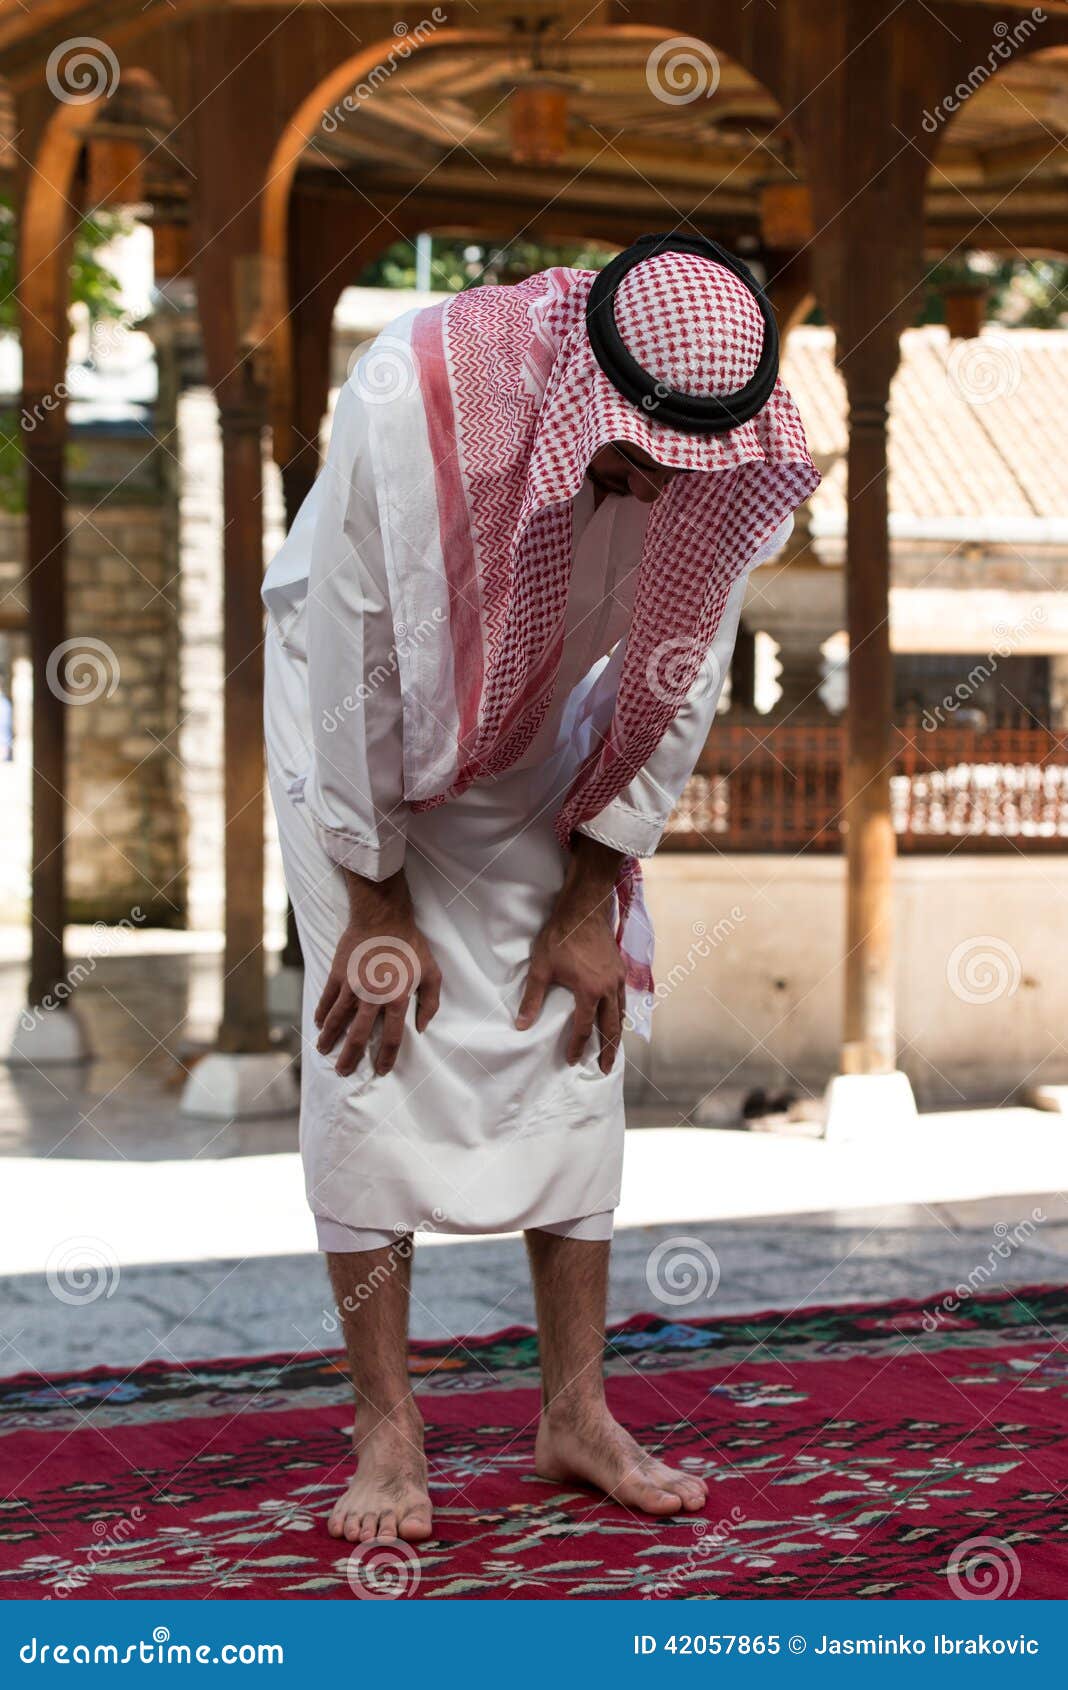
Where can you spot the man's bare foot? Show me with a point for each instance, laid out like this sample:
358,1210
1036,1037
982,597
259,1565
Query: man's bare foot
587,1444
388,1498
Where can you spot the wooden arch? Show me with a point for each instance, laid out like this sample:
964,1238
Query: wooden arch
273,332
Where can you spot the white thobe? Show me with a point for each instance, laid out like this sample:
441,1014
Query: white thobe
478,1127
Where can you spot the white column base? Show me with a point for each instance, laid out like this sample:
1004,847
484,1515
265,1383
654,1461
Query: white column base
859,1106
46,1038
1053,1098
228,1087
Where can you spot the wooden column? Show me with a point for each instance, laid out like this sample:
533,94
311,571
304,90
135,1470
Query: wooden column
242,414
866,255
46,573
315,292
869,1045
298,476
44,293
790,288
230,135
743,672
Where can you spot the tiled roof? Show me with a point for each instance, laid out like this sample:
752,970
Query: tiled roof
976,427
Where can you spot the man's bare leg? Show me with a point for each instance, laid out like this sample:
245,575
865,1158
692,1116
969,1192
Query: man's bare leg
578,1438
388,1498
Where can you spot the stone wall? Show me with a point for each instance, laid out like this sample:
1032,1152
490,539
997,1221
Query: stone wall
749,971
127,839
200,734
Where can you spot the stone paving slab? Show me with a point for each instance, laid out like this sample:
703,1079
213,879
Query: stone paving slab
189,1312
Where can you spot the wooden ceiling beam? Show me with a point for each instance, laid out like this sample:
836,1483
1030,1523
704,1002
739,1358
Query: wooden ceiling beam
513,186
376,142
1013,163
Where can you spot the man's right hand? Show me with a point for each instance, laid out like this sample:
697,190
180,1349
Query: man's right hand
381,960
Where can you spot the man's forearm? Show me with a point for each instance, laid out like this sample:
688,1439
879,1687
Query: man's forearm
373,901
592,871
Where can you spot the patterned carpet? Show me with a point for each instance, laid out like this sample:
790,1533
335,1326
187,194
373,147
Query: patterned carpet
866,1451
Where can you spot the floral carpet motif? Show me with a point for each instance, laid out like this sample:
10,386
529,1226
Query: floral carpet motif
886,1450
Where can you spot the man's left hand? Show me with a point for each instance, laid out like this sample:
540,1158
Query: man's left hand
577,948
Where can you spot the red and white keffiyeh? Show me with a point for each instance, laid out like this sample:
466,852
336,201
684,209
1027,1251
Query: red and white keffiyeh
504,405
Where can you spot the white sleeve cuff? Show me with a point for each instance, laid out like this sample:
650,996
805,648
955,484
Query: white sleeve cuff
634,832
361,856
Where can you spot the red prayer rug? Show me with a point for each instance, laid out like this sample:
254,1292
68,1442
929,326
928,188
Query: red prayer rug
889,1450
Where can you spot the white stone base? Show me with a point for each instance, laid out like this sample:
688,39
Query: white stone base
227,1087
45,1038
1053,1098
860,1106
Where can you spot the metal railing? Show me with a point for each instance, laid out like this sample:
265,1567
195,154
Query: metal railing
761,786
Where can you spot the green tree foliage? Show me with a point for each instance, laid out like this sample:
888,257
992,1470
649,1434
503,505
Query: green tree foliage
93,286
458,264
1029,293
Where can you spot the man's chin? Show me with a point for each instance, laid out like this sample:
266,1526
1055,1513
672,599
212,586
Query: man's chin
603,486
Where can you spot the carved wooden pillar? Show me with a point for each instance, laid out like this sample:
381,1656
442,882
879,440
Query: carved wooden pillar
49,219
867,252
230,136
311,322
46,576
790,288
242,415
743,672
869,1045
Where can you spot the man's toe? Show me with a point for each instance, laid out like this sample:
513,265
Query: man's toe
352,1528
415,1526
655,1499
368,1528
692,1491
387,1525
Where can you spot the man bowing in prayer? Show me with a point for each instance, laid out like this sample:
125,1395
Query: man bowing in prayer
496,638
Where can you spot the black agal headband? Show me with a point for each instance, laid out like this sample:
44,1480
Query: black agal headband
691,413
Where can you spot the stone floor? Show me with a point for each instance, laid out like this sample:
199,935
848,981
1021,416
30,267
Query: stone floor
186,1311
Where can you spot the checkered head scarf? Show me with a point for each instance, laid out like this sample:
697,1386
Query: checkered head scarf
508,406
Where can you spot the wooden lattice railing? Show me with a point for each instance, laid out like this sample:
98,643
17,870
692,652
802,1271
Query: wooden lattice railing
761,787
